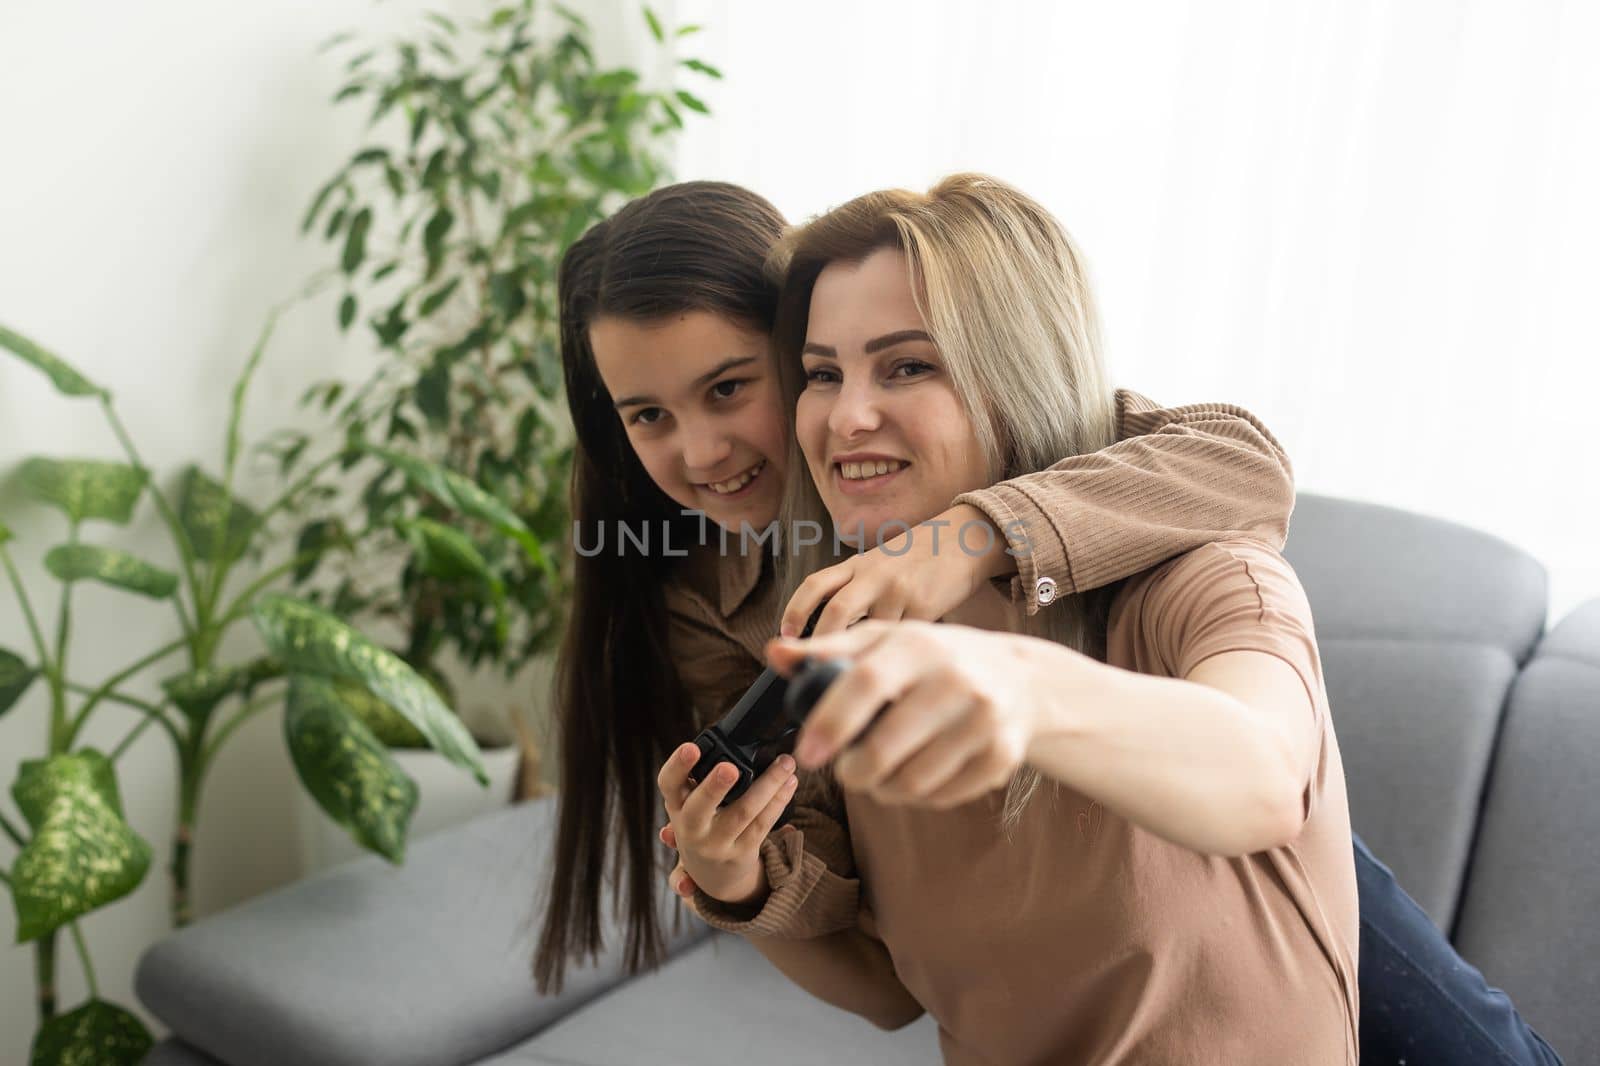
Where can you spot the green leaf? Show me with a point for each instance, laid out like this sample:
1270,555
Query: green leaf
197,692
369,155
5,532
388,725
684,31
435,299
443,551
692,102
347,311
464,495
655,26
95,1034
433,394
110,566
419,123
312,641
439,20
66,380
15,677
82,855
505,289
212,518
433,235
346,769
85,488
704,68
317,201
318,537
355,242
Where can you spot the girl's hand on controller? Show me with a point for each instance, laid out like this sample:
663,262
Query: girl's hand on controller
679,879
719,848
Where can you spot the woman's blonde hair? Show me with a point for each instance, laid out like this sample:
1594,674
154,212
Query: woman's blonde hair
1005,296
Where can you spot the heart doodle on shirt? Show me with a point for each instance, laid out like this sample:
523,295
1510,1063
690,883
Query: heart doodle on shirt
1089,821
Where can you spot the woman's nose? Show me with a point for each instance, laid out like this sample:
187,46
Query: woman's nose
855,410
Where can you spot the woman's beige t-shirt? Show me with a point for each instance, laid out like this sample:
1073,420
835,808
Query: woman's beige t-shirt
1084,939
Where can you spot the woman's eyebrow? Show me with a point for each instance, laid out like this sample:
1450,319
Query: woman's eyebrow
704,379
876,344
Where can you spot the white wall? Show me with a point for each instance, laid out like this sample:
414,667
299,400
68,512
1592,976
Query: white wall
1372,224
155,161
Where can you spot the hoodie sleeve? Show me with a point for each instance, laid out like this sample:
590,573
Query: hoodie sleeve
1176,478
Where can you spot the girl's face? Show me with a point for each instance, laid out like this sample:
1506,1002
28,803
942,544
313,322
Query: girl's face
884,434
698,397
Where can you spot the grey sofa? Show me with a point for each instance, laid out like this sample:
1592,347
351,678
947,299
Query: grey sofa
1470,739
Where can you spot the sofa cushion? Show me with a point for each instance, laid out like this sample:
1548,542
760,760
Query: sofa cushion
721,1003
1416,724
1533,888
425,964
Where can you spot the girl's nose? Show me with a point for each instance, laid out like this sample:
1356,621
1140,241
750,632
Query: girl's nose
705,449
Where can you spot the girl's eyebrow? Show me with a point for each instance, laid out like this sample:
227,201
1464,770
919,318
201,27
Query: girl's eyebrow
876,344
704,379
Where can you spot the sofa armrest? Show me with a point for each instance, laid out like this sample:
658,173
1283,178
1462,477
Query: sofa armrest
426,963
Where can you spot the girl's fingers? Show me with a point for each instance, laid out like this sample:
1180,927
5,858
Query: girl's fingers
750,805
700,808
669,837
758,829
673,780
931,711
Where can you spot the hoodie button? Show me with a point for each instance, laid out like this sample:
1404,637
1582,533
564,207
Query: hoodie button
1044,591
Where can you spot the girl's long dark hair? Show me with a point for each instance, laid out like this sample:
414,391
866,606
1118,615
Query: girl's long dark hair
620,707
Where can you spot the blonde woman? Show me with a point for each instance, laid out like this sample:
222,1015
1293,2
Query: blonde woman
1114,831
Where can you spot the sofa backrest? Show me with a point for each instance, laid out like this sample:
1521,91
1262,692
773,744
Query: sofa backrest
1528,915
1422,625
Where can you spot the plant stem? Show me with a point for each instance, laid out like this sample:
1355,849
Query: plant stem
180,536
183,836
13,832
44,971
6,878
305,479
241,603
27,611
121,675
83,957
60,724
260,703
152,711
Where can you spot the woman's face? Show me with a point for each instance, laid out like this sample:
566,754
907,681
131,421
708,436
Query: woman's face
698,397
884,434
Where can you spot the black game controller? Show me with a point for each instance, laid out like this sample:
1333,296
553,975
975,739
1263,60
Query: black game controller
763,724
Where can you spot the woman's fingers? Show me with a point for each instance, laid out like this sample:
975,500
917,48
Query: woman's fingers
932,768
768,817
877,677
812,591
928,712
980,775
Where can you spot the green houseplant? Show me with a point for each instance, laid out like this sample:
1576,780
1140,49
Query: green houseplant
490,148
76,851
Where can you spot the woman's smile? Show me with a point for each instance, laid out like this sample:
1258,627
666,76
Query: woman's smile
859,474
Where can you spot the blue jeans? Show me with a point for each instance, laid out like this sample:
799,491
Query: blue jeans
1421,1003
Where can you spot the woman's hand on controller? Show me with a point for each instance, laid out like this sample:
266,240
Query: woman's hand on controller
952,709
719,848
923,574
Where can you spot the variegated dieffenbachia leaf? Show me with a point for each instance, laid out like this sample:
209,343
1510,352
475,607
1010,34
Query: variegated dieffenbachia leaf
66,380
464,495
346,769
197,692
15,677
110,566
95,1034
311,641
219,526
387,724
82,854
86,488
